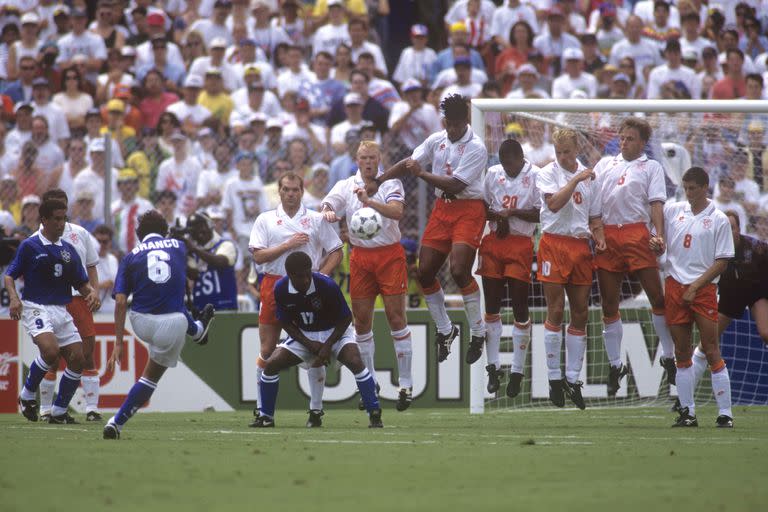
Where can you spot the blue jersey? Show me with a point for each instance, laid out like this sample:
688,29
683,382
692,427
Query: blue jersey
50,270
320,309
155,272
216,285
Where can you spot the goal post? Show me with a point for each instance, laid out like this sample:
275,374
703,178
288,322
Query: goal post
597,121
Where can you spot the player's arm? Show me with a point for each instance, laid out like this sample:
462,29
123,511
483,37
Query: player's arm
528,215
324,355
93,280
392,209
267,254
560,198
598,233
331,261
121,307
448,184
15,303
657,219
717,268
398,170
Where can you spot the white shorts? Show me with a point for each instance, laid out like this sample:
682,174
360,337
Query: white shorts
165,335
38,319
305,355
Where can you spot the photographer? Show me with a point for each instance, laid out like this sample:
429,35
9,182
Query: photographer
211,264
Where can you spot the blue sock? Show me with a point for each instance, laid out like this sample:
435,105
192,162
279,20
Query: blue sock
367,387
68,384
139,394
268,390
37,371
194,327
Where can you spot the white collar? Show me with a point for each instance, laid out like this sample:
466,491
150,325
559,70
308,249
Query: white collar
299,213
294,291
45,241
151,235
641,158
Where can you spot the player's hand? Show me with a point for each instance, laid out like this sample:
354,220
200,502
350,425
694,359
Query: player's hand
362,195
323,356
314,347
92,299
297,240
586,174
657,245
600,245
502,228
330,216
15,308
114,358
690,294
414,168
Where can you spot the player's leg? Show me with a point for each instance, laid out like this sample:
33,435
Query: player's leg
651,282
362,311
721,382
554,295
493,293
48,357
280,359
430,262
462,258
760,316
138,396
394,309
349,356
681,335
269,327
48,391
521,333
576,341
70,381
83,319
610,291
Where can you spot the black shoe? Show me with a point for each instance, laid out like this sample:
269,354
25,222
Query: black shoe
685,419
494,378
675,406
573,390
62,419
515,384
205,317
45,417
111,431
443,342
724,421
614,376
668,363
315,418
93,416
404,399
475,349
361,404
556,394
29,409
375,419
263,422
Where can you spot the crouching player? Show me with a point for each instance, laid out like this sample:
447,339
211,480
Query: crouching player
312,310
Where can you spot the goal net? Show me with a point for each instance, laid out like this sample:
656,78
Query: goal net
727,138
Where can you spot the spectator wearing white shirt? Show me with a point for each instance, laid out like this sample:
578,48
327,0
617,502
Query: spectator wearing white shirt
58,128
691,38
259,72
673,70
266,35
215,59
353,108
555,41
413,120
22,132
575,23
329,36
745,190
507,15
258,100
106,268
82,42
291,79
643,51
574,77
179,174
49,154
725,201
358,35
210,185
464,84
155,23
458,12
93,178
417,60
190,114
527,80
301,128
244,198
127,208
449,76
645,10
215,26
609,8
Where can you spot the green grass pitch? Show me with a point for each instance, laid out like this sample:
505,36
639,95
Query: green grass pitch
435,459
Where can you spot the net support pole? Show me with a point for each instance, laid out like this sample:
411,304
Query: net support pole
108,158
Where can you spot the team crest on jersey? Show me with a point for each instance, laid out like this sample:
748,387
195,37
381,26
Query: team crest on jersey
304,223
66,256
460,149
73,237
681,218
707,223
526,181
502,179
442,146
315,302
279,222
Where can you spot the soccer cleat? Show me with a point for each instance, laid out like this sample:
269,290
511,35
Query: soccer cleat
62,419
375,419
556,394
668,363
475,349
111,431
573,390
685,419
514,385
205,316
29,409
443,342
675,406
614,376
45,417
724,421
404,399
93,416
315,418
494,378
262,422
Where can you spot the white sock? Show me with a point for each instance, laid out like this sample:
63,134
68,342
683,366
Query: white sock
47,390
493,339
90,386
721,387
575,348
436,306
367,351
474,312
260,363
684,381
665,338
699,366
316,387
404,353
553,343
521,338
612,334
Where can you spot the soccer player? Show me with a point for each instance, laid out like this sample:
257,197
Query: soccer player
632,194
155,272
506,256
50,267
458,158
570,216
377,266
87,248
698,246
276,234
212,259
312,310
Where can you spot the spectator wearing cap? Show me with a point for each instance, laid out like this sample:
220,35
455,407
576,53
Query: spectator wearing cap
203,147
620,87
30,215
179,174
41,102
22,131
72,100
267,36
608,9
27,46
673,70
49,153
172,72
188,111
515,55
124,135
660,29
258,101
211,182
574,77
332,33
82,41
734,84
553,43
609,31
691,37
412,120
417,60
643,51
58,22
156,26
358,35
467,81
214,96
94,177
354,8
353,109
506,15
216,60
126,210
294,25
459,37
20,90
215,26
646,11
301,127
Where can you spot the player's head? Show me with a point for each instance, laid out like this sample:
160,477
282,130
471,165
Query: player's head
455,116
290,186
634,133
566,142
695,184
511,156
298,268
733,218
53,216
200,227
368,158
151,222
56,193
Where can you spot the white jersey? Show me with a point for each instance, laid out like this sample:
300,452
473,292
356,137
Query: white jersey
84,243
502,192
627,188
573,218
464,160
343,200
694,242
275,227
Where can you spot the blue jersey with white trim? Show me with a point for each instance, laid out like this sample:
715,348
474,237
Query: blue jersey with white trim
216,285
321,308
50,270
155,272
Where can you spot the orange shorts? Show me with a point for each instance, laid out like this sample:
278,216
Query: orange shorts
81,316
460,221
564,260
627,249
377,270
677,312
268,310
508,257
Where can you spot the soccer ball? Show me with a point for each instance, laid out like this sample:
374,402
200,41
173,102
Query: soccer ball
365,223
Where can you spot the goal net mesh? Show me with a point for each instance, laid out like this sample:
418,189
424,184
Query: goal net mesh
726,145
